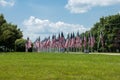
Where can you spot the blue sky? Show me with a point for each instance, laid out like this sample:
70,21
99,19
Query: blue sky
46,17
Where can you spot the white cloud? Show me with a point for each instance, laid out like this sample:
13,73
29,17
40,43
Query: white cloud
82,6
6,3
35,27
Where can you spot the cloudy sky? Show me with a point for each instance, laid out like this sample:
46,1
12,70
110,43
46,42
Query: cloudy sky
47,17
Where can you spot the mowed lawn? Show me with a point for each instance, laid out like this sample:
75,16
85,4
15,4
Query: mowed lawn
59,66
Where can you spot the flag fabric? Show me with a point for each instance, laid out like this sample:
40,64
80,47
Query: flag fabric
45,43
62,41
72,40
53,43
80,42
92,41
37,45
41,46
58,44
77,42
67,41
28,44
48,42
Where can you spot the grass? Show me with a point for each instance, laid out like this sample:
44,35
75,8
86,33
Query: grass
51,66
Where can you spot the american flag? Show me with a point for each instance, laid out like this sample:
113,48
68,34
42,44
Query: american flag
62,40
53,43
37,43
48,42
28,44
92,41
41,45
67,41
45,43
80,42
77,42
73,40
58,44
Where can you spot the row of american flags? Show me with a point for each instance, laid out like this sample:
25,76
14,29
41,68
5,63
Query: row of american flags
61,44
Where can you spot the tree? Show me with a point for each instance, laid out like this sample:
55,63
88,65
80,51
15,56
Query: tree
8,34
110,27
2,21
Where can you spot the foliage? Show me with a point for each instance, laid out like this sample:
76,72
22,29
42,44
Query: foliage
109,26
20,45
8,34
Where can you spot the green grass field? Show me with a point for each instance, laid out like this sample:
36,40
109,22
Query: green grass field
51,66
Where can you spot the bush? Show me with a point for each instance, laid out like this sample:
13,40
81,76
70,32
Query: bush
20,45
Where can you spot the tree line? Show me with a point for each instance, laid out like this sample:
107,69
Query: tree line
107,27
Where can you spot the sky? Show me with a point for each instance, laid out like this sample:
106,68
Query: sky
47,17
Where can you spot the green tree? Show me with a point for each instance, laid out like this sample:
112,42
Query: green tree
110,27
20,45
8,34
